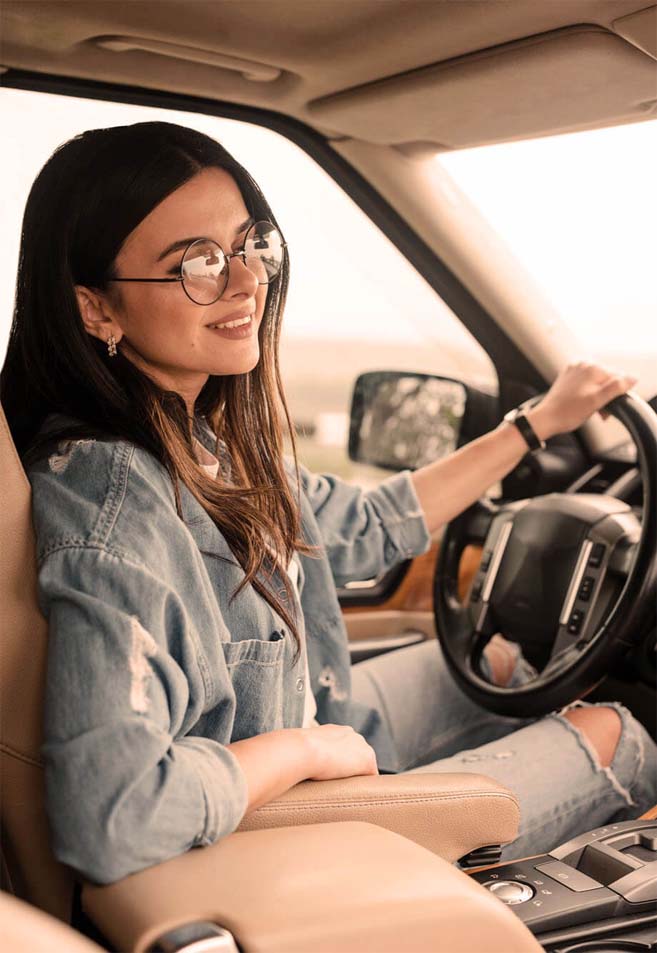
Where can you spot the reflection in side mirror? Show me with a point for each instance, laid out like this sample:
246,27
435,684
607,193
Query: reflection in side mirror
402,420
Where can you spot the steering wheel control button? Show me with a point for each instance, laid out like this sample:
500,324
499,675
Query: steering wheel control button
475,592
575,582
597,555
568,876
484,562
586,588
575,621
510,891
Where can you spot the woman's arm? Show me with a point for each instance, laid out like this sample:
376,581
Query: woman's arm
276,761
448,486
271,763
364,532
126,785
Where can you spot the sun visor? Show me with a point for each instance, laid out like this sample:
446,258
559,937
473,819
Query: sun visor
640,29
581,77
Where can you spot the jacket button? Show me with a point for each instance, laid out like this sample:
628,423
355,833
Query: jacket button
300,684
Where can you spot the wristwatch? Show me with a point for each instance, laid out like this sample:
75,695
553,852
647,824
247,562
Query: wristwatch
517,416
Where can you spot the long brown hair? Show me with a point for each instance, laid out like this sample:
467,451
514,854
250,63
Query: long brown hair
116,176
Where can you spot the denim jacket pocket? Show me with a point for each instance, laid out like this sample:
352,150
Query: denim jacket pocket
260,676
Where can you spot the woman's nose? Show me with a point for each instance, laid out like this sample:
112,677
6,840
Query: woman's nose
240,276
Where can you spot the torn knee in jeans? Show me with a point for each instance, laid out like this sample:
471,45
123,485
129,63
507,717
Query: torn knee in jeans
575,725
602,727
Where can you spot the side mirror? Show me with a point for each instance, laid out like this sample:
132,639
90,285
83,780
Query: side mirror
404,420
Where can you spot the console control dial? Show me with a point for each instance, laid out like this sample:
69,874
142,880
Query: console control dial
510,891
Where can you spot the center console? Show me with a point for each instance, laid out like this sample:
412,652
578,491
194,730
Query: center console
597,892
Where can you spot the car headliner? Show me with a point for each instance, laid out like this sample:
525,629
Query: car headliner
386,82
431,74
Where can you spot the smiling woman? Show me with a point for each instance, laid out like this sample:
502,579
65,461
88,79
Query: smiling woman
178,687
198,658
121,198
163,333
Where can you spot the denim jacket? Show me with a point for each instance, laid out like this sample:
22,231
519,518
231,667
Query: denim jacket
152,671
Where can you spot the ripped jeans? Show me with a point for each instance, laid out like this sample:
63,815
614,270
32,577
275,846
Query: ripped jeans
548,764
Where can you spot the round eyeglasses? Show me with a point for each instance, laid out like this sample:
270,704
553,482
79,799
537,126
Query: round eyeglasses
205,265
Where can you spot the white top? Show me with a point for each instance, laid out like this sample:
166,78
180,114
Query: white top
210,464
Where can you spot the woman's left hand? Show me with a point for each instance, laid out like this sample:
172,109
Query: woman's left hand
578,391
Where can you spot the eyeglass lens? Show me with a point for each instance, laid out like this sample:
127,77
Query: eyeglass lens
205,266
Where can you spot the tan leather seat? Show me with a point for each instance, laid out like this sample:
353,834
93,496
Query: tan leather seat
449,814
29,870
28,930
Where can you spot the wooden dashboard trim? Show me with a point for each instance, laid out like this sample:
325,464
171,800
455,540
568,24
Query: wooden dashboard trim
415,592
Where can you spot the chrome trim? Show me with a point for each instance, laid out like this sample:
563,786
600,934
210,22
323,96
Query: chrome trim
625,484
496,559
177,940
362,583
394,642
222,943
575,582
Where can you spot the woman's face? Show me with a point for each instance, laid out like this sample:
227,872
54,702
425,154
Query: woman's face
159,328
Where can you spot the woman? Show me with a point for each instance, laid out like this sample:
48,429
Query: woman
198,663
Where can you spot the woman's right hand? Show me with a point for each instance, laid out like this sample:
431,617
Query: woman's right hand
337,751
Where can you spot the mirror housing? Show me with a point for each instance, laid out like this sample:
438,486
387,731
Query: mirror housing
405,420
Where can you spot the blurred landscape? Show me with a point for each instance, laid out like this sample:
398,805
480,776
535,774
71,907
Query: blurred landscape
319,376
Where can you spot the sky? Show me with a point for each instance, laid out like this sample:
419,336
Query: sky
578,210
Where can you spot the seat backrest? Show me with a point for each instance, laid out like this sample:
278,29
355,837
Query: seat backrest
29,870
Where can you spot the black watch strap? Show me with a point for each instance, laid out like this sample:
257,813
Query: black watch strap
528,432
517,417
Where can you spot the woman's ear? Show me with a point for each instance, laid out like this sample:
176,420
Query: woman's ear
97,318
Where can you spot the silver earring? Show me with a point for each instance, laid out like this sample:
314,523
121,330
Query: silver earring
111,346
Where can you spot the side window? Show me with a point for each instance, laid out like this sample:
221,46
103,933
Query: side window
578,211
354,302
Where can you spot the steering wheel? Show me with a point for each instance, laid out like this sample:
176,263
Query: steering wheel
570,577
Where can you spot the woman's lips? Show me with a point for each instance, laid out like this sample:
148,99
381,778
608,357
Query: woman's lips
243,331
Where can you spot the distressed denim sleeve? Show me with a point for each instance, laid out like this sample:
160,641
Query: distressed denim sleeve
366,532
126,787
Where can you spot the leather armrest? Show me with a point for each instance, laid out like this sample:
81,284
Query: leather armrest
449,814
329,888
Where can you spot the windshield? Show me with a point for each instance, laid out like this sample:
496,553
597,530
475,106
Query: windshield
579,212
